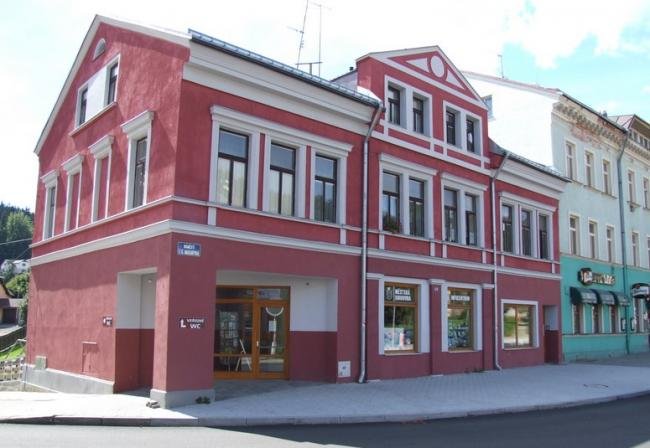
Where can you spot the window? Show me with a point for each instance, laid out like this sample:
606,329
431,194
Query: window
471,224
282,183
416,207
543,241
518,325
648,245
570,160
595,318
232,168
589,169
390,202
630,187
577,318
451,127
635,248
607,182
138,131
526,233
325,189
83,105
418,115
593,240
471,136
394,105
112,83
101,152
460,320
400,317
50,183
610,243
646,192
72,168
574,240
507,235
451,215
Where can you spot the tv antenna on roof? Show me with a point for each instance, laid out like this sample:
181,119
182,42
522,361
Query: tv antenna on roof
301,32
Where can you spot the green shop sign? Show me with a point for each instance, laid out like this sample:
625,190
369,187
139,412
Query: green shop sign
586,276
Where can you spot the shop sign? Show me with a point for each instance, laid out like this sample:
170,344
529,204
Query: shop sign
641,291
188,249
586,276
403,295
460,298
193,323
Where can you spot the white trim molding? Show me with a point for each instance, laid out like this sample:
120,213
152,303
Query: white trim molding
137,128
100,150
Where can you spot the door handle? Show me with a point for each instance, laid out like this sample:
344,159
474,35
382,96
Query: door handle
257,344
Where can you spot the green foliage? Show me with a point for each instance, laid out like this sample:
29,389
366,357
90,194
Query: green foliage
15,224
19,284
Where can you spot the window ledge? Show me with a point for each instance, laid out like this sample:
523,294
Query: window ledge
404,353
517,349
94,118
469,350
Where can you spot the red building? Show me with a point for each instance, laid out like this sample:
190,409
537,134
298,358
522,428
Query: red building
205,212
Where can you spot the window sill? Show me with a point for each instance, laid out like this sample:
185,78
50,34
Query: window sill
517,349
92,119
460,351
402,353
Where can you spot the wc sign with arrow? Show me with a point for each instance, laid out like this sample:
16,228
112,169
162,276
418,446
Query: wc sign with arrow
193,323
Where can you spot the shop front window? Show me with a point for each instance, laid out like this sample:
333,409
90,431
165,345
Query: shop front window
460,324
517,325
400,318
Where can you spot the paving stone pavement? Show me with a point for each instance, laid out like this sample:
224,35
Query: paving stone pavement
241,403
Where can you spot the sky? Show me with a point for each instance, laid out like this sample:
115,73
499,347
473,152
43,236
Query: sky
596,51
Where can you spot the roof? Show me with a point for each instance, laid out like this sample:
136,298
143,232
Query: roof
495,148
627,120
544,90
280,67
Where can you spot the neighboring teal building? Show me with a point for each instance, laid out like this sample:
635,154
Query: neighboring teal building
604,212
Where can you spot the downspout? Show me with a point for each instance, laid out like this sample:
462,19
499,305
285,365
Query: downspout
364,245
621,211
494,260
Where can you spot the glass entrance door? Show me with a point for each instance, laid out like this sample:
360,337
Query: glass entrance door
251,332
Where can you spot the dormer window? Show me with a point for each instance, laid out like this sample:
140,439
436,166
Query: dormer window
394,104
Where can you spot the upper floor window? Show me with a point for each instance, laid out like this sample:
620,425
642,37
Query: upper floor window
574,240
391,202
282,179
138,131
451,126
593,239
646,192
394,105
471,135
589,169
526,233
609,236
112,83
416,207
631,190
451,215
418,115
635,249
83,105
101,152
543,240
72,168
50,183
507,237
607,182
140,172
471,222
325,192
232,168
570,160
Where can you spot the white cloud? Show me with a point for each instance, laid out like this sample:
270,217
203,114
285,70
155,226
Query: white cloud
646,89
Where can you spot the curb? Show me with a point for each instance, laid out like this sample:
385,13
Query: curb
296,421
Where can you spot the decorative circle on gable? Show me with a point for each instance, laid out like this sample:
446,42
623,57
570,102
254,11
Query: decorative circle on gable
437,66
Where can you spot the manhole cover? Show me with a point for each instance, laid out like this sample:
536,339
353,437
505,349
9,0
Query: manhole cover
596,386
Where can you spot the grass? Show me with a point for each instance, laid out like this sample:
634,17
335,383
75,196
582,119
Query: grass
16,352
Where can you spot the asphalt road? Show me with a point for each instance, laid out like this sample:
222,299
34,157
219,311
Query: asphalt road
624,423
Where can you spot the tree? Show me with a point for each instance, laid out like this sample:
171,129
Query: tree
19,285
19,226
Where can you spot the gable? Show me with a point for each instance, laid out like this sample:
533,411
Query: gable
432,65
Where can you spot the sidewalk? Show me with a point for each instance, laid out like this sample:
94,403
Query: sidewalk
283,402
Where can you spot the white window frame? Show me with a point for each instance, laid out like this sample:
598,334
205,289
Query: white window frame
611,243
577,233
50,180
408,170
607,176
590,179
648,249
137,128
101,150
535,317
537,209
646,192
97,86
300,167
477,316
593,239
407,93
84,86
463,187
635,242
72,167
462,115
631,186
341,157
423,342
107,68
570,169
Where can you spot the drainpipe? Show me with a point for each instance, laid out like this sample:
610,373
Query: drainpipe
621,210
494,260
364,245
